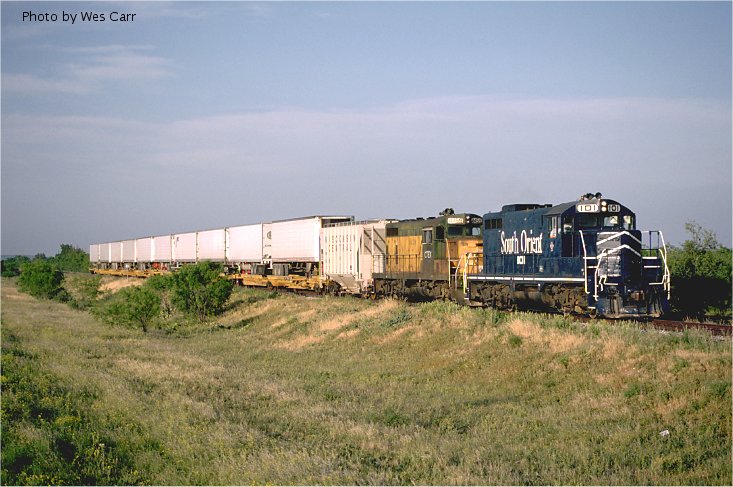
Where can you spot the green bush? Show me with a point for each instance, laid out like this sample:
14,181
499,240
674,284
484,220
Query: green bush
199,290
11,266
137,307
701,275
41,279
71,259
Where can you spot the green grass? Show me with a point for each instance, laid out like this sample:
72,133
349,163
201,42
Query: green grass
290,390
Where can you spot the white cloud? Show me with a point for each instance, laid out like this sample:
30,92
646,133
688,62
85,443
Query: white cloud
26,83
96,66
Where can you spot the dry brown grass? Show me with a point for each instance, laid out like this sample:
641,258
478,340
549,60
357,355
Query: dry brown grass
113,284
555,341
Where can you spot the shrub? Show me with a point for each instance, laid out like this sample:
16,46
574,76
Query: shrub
71,259
41,279
135,307
11,266
200,290
701,274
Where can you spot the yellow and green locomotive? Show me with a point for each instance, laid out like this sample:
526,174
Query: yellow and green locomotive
424,257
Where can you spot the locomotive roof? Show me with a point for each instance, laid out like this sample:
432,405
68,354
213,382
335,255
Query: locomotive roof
550,209
434,218
561,208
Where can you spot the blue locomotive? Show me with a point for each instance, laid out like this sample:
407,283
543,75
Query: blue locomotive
584,256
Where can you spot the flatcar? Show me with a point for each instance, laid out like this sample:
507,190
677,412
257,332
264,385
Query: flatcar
583,256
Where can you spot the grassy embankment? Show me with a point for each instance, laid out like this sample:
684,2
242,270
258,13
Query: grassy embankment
343,391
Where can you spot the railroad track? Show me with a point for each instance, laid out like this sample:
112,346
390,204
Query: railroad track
713,328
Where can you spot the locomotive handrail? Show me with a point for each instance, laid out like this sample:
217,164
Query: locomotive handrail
469,256
667,277
585,263
661,251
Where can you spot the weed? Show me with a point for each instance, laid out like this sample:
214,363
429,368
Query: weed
720,389
514,340
396,319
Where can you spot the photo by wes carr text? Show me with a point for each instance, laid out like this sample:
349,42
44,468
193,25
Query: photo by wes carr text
30,16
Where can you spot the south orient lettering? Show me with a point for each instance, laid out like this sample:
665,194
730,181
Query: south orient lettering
524,244
36,17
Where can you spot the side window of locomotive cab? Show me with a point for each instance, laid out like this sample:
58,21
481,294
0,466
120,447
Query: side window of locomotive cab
439,233
567,225
493,223
427,235
628,222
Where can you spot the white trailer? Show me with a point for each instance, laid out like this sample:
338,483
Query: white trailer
351,252
212,245
104,254
115,252
183,247
244,244
162,249
128,251
298,240
267,243
144,250
94,253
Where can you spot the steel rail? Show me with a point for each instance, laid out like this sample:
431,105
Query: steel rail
714,328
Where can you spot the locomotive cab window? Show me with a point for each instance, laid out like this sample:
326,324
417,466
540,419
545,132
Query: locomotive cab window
629,222
567,224
492,223
611,221
475,231
587,221
392,232
439,233
427,235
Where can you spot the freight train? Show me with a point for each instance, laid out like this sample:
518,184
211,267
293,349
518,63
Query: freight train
580,257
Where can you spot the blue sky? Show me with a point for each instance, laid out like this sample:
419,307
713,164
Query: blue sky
198,116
